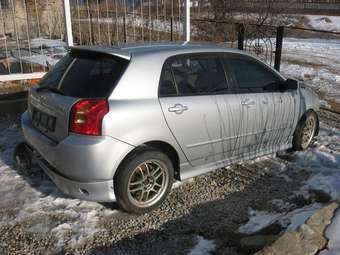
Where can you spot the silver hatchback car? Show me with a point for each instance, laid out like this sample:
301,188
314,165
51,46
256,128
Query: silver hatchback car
120,124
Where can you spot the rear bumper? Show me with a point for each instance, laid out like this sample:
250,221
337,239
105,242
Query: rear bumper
81,166
93,191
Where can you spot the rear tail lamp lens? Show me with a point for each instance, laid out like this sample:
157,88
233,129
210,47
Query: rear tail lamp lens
87,116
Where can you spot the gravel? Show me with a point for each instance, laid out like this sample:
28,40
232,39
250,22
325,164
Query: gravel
35,218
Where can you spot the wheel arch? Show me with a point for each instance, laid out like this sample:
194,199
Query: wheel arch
161,146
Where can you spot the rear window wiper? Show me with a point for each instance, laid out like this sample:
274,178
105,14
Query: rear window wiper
54,90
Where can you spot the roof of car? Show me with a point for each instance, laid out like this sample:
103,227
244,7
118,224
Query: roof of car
128,50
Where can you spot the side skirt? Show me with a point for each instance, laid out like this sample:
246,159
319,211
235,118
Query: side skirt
187,171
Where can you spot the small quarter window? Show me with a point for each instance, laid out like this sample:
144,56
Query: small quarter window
167,85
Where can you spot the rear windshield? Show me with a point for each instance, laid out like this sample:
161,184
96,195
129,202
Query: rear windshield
85,74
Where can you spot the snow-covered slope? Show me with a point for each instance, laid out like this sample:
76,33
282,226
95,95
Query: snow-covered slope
315,61
328,23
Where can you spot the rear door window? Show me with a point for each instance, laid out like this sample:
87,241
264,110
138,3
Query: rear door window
193,75
199,75
86,74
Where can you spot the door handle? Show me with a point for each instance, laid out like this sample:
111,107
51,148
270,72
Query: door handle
248,102
178,108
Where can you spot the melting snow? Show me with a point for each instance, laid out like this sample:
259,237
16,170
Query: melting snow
314,61
323,163
32,196
203,247
258,220
298,216
43,42
291,220
328,23
333,235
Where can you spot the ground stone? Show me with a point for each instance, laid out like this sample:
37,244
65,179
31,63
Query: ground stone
308,239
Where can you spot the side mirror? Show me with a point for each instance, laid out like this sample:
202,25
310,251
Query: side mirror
290,84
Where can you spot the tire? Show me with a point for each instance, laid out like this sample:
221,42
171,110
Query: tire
306,129
143,181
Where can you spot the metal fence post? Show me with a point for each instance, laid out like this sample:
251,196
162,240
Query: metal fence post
124,29
68,23
240,36
187,20
91,30
171,29
278,48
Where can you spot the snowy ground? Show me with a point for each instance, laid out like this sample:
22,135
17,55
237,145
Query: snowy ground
323,163
328,23
314,61
31,195
333,235
35,217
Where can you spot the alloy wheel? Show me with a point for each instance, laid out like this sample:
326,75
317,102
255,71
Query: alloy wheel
147,183
308,132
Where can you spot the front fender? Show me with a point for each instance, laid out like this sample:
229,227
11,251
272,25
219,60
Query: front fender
309,100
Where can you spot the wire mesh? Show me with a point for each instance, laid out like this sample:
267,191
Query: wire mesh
112,22
31,35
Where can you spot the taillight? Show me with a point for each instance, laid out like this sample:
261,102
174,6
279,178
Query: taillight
87,115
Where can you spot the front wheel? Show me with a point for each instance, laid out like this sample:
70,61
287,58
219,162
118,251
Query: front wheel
305,131
143,181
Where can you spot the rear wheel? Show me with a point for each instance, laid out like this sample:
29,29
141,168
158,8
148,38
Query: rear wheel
143,181
305,131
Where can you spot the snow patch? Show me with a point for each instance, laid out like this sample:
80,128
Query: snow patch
50,43
297,217
258,220
203,247
292,220
333,235
314,61
323,164
31,196
328,23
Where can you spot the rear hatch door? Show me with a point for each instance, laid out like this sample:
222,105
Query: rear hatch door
80,74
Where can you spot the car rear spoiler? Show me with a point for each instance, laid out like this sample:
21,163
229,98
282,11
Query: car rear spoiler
105,50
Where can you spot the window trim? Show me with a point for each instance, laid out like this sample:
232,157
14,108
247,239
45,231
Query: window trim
235,84
214,54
